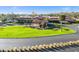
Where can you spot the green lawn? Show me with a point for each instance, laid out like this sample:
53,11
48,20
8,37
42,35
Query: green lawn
25,32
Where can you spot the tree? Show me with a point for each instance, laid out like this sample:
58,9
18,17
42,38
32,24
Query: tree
62,17
46,18
2,17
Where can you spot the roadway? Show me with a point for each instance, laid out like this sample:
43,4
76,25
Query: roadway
10,43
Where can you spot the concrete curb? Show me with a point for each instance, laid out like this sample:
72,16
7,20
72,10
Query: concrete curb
42,47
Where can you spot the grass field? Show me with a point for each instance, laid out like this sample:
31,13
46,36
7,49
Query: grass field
25,32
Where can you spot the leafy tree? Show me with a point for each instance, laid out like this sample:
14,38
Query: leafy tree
46,18
62,17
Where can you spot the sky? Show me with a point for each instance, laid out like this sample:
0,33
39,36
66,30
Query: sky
38,9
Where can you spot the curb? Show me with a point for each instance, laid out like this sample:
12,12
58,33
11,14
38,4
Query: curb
42,47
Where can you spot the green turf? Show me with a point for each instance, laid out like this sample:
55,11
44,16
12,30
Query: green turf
26,32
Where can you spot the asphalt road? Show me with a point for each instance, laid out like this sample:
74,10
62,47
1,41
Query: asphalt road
10,43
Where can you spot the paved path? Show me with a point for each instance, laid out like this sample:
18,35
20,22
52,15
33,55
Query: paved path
8,43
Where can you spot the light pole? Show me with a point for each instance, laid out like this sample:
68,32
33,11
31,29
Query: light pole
77,28
61,25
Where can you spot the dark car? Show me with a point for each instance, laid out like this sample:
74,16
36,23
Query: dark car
51,26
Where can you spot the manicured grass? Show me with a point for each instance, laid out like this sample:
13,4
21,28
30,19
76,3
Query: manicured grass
26,32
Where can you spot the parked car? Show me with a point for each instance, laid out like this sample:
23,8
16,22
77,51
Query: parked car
51,26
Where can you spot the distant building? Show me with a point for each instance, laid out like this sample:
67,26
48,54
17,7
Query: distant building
23,19
76,19
54,19
67,18
1,23
70,19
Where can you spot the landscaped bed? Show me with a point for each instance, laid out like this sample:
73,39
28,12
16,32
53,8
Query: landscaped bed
26,32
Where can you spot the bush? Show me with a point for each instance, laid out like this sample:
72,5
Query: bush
67,29
76,21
